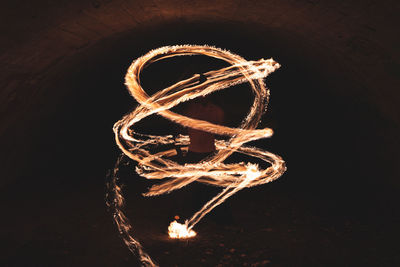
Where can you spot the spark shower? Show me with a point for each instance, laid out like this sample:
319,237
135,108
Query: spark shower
212,170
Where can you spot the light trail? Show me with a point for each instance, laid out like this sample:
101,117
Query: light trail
212,170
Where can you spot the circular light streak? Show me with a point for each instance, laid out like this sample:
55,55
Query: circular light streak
212,170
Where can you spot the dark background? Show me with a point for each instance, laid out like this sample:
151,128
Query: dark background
334,114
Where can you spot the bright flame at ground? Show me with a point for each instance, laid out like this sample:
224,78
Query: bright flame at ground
178,230
212,170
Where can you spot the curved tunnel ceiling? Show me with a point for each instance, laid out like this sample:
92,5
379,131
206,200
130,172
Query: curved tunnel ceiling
355,40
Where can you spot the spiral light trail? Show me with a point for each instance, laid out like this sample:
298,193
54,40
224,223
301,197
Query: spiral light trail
212,170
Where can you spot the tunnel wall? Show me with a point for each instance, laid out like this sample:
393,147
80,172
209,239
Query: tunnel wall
356,39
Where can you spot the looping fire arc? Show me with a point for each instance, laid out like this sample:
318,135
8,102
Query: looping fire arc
212,170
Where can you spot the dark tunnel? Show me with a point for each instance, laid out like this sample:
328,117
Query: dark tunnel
333,108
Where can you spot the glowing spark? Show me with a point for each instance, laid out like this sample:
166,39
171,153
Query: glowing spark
212,171
178,230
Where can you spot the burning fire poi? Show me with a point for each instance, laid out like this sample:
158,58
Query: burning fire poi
212,170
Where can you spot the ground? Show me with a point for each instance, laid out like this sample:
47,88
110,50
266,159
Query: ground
66,223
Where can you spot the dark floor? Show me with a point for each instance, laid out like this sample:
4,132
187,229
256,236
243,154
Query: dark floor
58,223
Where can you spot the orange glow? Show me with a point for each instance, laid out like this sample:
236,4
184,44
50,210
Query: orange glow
213,170
177,230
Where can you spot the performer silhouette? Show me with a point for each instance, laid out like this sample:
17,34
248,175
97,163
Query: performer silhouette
202,145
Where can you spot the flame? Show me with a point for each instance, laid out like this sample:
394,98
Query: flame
252,171
213,170
178,230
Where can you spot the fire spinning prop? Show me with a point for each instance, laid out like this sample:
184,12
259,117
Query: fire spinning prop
212,170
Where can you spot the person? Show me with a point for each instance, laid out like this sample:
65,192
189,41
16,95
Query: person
202,145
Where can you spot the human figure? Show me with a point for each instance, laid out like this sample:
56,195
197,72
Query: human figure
202,145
